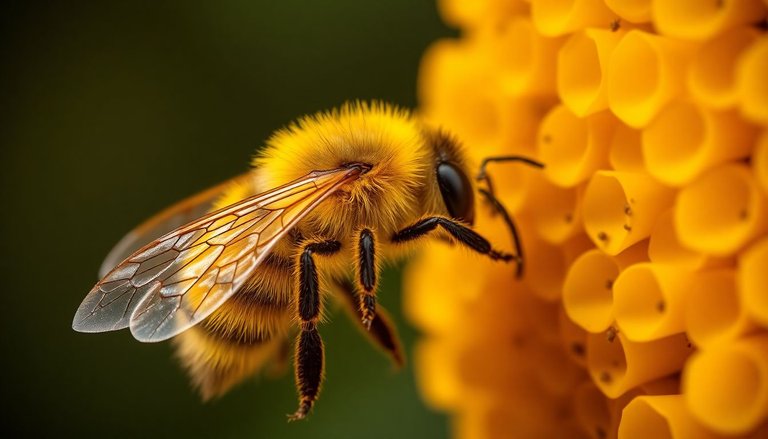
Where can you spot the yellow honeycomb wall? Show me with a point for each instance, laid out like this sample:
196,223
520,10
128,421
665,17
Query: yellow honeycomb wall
643,311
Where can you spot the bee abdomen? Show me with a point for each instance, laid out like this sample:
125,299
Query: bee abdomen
217,361
260,309
243,335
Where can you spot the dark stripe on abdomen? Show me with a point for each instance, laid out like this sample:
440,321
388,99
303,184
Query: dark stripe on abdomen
256,312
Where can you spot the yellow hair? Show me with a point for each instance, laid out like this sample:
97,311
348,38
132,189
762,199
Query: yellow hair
357,132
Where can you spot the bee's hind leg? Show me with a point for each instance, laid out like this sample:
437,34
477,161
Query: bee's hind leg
381,331
309,346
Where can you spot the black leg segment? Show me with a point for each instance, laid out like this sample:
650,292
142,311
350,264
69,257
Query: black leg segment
367,275
309,369
512,228
461,233
367,263
309,294
309,346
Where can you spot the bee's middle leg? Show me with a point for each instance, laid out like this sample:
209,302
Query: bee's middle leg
367,274
309,346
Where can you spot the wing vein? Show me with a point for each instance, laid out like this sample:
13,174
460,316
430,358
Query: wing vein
153,315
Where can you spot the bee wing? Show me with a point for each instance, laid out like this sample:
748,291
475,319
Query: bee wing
179,279
166,221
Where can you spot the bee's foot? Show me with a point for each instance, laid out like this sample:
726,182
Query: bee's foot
368,310
502,256
367,320
301,413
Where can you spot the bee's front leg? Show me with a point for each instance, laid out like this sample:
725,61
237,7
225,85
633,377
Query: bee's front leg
367,274
458,231
499,208
309,346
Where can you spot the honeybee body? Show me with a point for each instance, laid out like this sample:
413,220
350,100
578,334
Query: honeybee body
246,330
328,200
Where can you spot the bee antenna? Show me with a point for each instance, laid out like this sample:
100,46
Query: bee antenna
488,193
506,158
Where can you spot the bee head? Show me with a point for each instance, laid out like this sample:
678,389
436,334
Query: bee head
456,189
451,171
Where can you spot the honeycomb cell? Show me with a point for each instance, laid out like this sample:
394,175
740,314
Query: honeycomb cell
620,208
712,74
752,280
525,59
618,365
721,211
582,67
646,72
555,211
588,290
686,140
715,313
559,17
660,416
626,150
751,71
726,386
449,94
698,20
573,148
634,11
665,248
649,301
547,264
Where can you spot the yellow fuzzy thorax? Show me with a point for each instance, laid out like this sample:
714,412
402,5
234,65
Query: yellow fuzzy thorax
386,137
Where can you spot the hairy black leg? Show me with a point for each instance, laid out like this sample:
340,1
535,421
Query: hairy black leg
519,258
461,233
381,332
367,275
309,346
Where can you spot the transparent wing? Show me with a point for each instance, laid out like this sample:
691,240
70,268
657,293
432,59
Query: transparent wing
181,278
166,221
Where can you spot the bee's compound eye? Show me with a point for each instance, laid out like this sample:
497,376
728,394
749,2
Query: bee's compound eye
457,191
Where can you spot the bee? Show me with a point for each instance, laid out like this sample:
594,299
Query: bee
231,274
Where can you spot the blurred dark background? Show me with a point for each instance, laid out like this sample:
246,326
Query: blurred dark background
111,111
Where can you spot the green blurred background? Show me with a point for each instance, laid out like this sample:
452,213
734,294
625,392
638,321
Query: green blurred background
113,110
